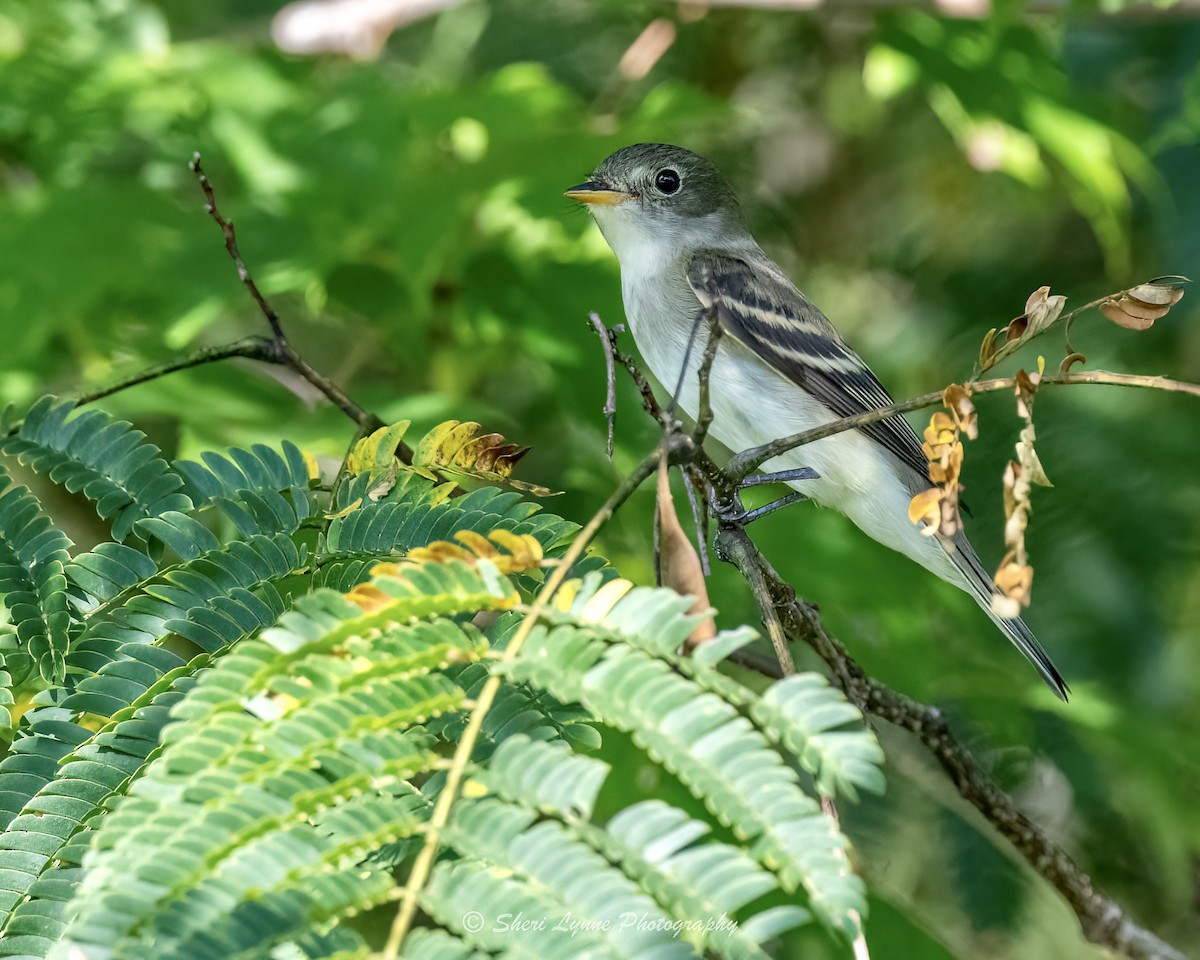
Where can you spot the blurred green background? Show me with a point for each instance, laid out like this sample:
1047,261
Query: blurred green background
918,171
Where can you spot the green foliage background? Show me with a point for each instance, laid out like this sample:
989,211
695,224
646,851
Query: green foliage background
918,175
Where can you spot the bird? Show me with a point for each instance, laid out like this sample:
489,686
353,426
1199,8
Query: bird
780,368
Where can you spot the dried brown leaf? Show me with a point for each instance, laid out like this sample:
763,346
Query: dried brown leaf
1026,389
987,349
926,508
1158,294
1142,311
1114,310
1031,466
458,448
679,564
1069,361
1016,328
957,399
1015,581
1041,310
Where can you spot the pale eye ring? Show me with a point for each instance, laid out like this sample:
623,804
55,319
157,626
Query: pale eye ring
667,181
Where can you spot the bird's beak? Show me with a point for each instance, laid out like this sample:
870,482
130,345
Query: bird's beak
596,194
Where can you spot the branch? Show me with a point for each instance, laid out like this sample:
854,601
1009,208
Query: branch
285,353
746,462
1102,920
610,398
252,348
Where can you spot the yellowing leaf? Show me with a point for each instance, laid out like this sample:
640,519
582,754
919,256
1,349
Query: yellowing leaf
926,507
376,454
458,448
314,468
1015,581
598,607
957,399
987,349
345,511
524,550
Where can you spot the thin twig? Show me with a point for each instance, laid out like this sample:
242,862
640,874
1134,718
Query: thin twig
704,417
487,695
252,348
746,462
1009,347
286,353
232,247
734,546
610,397
699,516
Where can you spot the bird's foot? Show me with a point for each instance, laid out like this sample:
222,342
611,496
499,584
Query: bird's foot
733,512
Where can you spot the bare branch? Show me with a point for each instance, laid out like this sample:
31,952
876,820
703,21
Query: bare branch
286,354
742,465
610,398
252,348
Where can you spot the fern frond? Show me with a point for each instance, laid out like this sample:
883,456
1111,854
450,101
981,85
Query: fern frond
282,736
414,514
578,881
714,751
212,599
518,710
57,798
545,776
260,469
33,553
803,711
656,845
106,460
438,945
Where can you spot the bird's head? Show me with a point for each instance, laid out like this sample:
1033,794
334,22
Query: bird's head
661,193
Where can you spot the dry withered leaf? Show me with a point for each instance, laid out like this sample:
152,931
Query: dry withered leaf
1069,361
1031,466
1138,307
458,448
1163,292
987,349
1016,328
1026,389
1041,309
679,564
926,507
957,399
1114,310
1014,581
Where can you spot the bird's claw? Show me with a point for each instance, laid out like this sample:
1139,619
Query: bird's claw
732,511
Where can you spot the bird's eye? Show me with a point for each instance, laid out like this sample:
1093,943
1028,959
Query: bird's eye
667,181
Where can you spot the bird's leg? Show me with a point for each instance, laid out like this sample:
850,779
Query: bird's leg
732,510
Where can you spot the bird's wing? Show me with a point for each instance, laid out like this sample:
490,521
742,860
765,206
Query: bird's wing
762,309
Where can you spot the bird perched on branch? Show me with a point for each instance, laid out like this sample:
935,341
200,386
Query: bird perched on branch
780,367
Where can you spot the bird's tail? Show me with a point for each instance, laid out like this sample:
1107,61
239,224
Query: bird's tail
979,585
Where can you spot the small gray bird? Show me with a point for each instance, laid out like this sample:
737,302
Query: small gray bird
677,230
